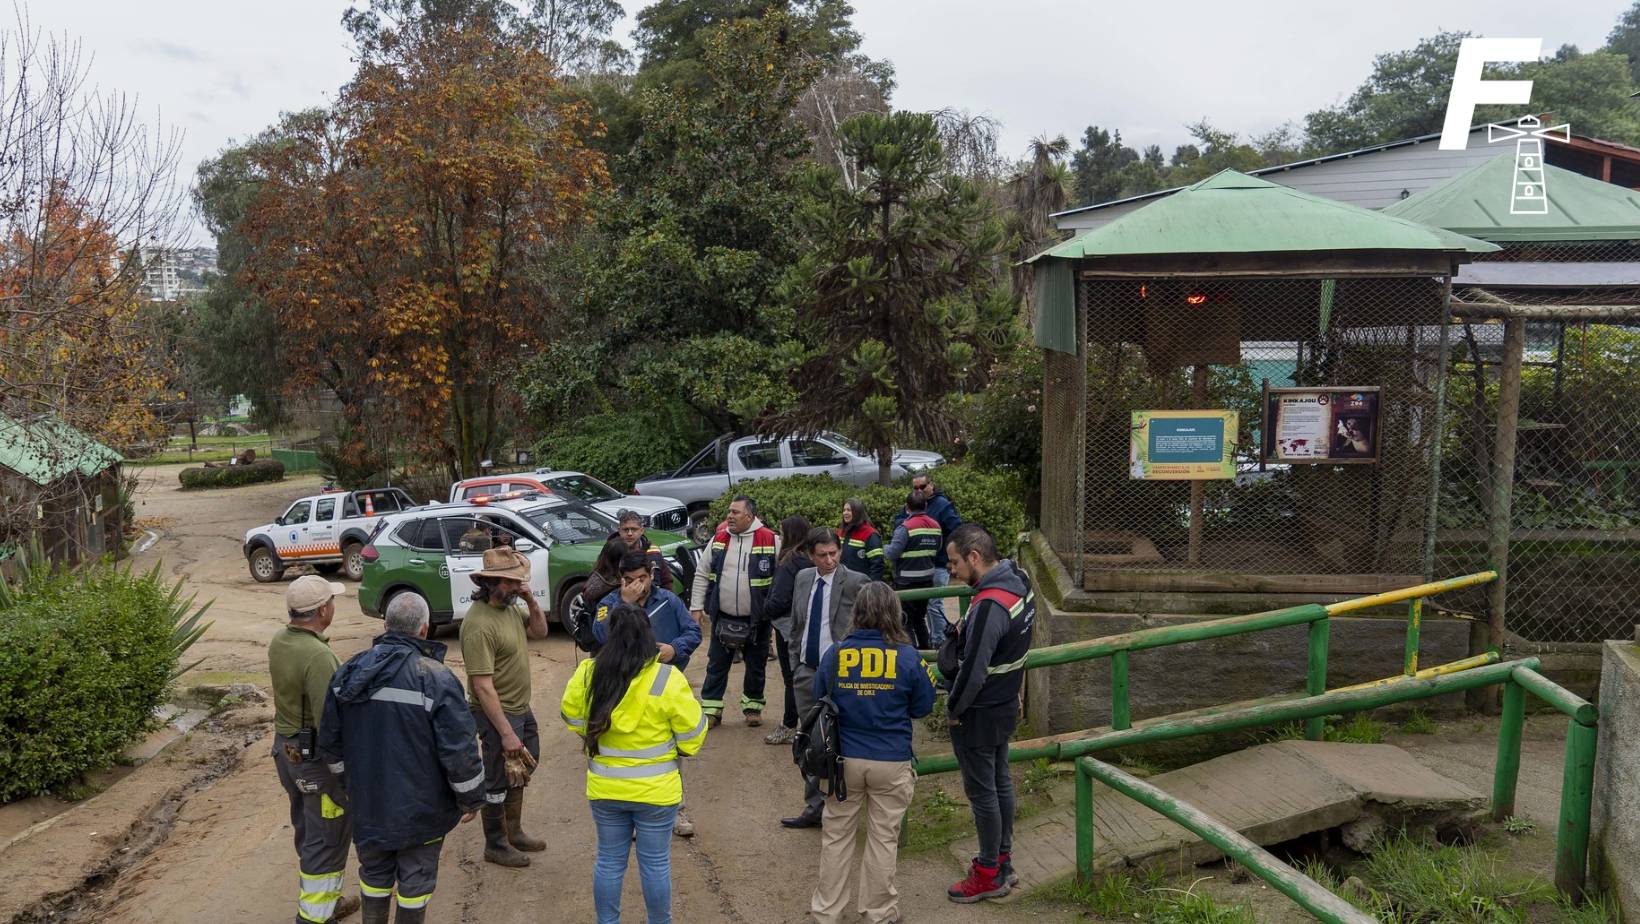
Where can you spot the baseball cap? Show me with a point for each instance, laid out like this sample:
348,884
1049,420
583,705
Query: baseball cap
309,592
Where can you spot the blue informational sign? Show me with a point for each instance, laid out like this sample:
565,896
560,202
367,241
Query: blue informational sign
1186,440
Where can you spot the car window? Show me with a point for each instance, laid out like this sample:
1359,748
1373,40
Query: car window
298,513
466,535
760,455
584,488
326,510
709,462
382,501
480,490
350,507
814,452
524,486
420,534
847,444
572,523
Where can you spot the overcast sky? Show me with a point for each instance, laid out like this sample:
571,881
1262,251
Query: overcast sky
221,70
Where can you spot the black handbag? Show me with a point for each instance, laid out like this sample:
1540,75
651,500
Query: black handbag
733,631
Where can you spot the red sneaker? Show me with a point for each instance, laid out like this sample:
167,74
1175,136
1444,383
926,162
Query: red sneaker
1005,869
981,883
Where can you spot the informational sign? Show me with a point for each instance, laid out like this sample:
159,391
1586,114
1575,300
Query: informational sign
1183,445
1330,426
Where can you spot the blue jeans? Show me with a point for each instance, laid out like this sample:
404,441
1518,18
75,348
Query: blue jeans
936,609
615,821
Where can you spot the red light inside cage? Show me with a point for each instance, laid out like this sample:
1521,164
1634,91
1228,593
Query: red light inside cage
1144,290
1195,298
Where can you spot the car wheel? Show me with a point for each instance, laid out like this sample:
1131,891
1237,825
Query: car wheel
265,568
699,529
568,601
353,561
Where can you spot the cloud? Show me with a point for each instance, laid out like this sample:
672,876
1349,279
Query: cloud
163,49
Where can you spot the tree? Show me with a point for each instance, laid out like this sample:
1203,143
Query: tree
1624,40
1404,97
1096,165
677,291
897,290
574,35
1036,191
393,237
1588,91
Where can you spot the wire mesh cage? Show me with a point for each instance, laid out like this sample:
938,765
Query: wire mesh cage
1183,343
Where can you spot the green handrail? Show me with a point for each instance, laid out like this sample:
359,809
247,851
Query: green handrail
1309,894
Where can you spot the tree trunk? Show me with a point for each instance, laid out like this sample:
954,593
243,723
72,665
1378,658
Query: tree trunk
885,465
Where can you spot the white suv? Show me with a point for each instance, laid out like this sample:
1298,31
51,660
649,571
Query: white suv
327,531
664,513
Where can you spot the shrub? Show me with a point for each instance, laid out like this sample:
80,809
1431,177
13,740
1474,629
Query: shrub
1005,420
990,498
233,476
621,447
85,657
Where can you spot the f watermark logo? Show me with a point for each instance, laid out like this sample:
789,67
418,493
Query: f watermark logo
1528,194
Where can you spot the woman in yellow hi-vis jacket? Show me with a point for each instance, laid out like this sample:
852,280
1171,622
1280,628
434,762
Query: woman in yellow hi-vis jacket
638,717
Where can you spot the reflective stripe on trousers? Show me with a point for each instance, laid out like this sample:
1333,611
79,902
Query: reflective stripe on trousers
317,896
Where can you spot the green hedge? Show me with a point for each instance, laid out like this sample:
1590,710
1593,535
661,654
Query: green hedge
994,499
85,657
232,476
621,447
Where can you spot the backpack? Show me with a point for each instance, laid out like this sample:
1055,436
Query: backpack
818,748
579,619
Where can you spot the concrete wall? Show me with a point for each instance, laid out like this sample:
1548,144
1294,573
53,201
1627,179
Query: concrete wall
1615,858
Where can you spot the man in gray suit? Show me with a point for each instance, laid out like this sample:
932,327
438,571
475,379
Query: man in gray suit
822,612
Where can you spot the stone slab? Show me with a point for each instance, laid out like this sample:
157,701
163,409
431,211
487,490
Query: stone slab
1615,858
1271,794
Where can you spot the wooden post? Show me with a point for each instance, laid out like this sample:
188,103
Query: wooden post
1503,485
1198,490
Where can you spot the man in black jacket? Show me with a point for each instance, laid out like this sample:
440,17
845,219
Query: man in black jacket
983,705
397,730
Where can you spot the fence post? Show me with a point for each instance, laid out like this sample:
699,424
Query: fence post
1506,771
1316,680
1084,822
1576,792
1119,718
1415,621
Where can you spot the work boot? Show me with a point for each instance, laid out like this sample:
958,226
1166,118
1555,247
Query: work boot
682,827
376,909
754,718
496,848
1005,869
410,915
345,906
981,883
515,818
714,719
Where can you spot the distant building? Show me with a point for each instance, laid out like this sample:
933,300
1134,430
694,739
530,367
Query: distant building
171,273
60,488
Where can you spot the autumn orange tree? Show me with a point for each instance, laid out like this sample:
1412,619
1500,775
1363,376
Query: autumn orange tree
395,236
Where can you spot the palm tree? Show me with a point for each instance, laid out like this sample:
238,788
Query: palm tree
1036,192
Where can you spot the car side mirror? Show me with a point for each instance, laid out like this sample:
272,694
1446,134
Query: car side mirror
524,546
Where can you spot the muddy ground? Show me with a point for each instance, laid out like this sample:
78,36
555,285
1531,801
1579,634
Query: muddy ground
200,834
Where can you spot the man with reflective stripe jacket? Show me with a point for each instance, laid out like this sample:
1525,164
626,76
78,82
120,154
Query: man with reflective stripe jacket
983,705
397,729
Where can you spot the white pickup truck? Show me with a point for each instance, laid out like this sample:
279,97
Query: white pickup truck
728,460
327,531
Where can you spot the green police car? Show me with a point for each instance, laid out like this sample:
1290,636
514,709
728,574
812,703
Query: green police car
432,551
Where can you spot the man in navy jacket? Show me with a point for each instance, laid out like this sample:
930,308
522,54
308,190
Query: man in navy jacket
676,631
944,513
398,732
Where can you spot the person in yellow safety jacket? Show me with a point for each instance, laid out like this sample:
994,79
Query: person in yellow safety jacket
638,718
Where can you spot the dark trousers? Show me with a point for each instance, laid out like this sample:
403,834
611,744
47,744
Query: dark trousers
788,717
803,686
318,816
990,791
489,746
914,613
413,869
719,657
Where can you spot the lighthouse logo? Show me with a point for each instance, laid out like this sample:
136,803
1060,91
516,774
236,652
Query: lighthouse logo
1529,194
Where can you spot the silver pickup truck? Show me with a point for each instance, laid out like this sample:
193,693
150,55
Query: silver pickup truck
729,460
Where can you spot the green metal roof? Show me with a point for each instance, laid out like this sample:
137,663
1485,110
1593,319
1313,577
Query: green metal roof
1476,203
1231,212
47,449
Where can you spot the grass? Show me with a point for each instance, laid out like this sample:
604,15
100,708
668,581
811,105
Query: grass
1419,723
174,457
1404,881
1516,824
1359,728
935,820
1151,899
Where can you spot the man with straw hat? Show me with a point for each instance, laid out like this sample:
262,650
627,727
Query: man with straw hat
495,649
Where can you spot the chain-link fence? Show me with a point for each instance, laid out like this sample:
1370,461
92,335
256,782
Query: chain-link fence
1574,532
1175,344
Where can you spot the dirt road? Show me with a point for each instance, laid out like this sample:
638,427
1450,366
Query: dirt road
223,852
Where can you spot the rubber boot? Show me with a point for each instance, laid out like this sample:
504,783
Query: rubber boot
515,820
411,915
496,848
376,909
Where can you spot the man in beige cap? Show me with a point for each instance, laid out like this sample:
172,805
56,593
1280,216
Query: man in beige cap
300,662
495,652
